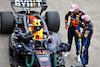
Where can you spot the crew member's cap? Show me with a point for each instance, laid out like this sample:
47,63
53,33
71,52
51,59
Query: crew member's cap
73,7
87,18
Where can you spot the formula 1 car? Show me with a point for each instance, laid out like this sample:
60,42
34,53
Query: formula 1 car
34,41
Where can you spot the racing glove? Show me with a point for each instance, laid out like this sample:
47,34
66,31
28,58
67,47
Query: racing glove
66,25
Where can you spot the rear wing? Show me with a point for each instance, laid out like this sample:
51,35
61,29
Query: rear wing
28,3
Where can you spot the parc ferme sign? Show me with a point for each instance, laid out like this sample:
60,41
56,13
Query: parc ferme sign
28,3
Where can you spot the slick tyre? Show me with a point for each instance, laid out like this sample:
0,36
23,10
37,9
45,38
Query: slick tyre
6,22
53,21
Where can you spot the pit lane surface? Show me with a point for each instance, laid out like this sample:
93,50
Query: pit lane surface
90,7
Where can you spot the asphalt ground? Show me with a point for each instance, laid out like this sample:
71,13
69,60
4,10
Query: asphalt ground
90,7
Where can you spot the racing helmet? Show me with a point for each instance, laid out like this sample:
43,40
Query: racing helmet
31,18
36,23
37,27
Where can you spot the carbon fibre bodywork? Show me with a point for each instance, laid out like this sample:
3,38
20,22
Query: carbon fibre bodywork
26,51
22,44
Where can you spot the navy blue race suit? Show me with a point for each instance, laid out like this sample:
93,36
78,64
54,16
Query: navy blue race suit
86,37
72,27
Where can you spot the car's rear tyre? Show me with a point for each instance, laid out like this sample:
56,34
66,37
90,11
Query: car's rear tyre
53,21
6,22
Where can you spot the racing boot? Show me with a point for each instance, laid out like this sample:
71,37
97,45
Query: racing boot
67,54
86,65
78,58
